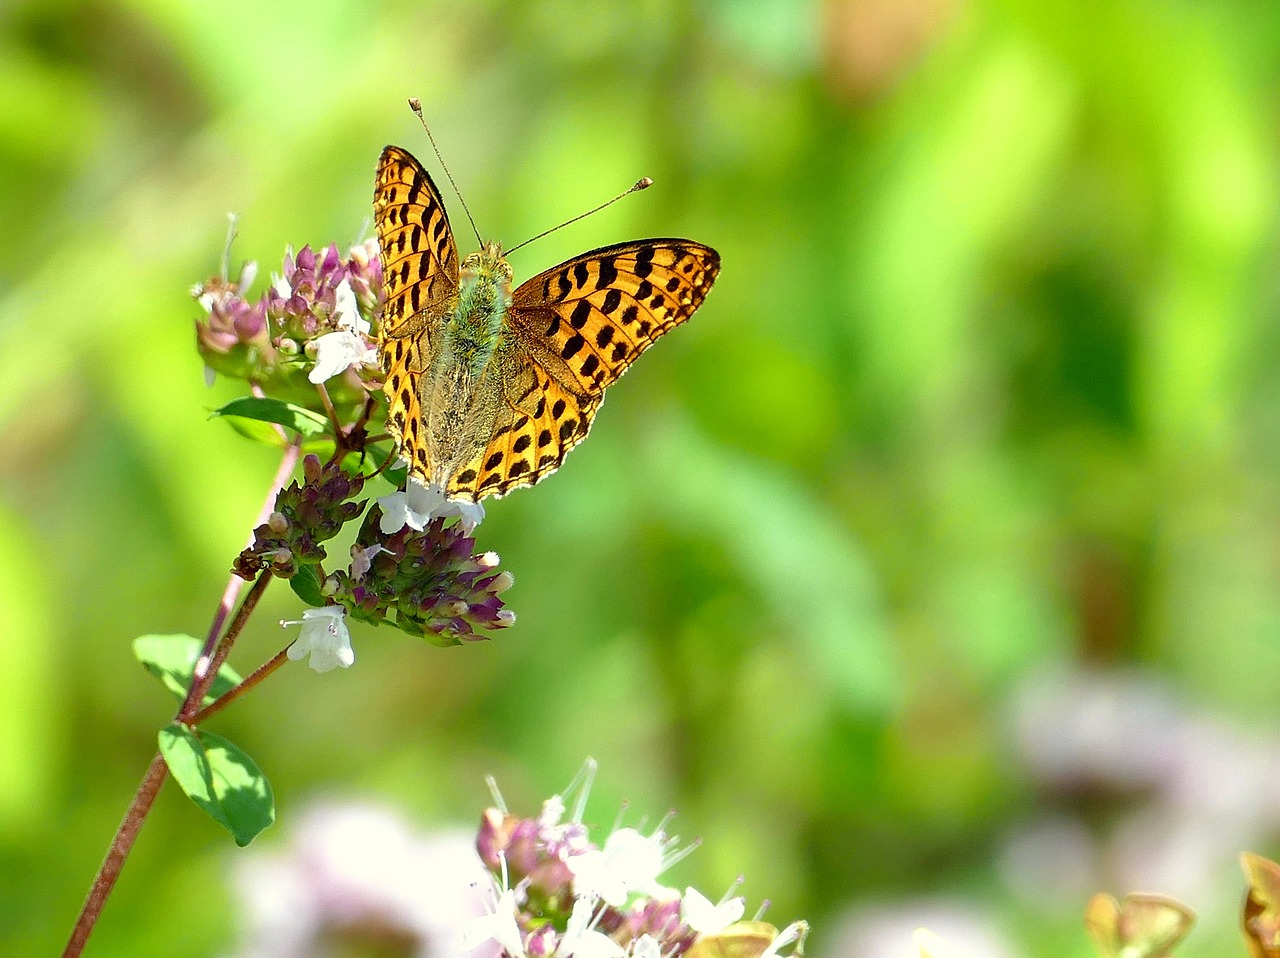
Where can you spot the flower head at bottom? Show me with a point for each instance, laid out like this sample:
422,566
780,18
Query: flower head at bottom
567,897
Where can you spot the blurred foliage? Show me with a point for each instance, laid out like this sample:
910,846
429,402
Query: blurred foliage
988,383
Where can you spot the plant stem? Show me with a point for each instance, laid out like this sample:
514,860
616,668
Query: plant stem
200,683
211,658
288,462
116,855
258,674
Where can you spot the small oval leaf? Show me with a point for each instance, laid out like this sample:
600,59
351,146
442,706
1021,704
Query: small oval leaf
172,659
221,779
306,585
301,420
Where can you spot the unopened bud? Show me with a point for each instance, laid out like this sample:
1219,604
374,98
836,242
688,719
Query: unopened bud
503,581
277,523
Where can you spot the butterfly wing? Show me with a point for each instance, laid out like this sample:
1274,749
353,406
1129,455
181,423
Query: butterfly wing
420,279
586,321
538,421
572,331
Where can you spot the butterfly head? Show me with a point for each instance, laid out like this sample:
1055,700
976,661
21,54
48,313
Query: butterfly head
488,262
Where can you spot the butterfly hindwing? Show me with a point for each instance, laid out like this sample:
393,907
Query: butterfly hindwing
536,425
587,320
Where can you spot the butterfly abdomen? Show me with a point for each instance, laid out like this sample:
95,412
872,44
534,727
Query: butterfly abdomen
461,405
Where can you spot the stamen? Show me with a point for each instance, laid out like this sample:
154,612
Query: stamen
498,801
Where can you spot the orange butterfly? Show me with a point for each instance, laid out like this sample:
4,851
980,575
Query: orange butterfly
489,389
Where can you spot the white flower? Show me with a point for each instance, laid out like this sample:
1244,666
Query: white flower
499,925
580,940
346,311
324,637
419,503
646,946
793,934
628,862
361,559
347,876
705,918
552,812
338,351
930,945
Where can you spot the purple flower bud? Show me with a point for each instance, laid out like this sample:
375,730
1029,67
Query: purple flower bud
494,836
542,942
332,260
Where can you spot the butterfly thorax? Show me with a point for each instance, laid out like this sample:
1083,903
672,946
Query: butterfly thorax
461,409
484,296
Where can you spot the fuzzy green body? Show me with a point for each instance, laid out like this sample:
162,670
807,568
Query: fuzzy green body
468,364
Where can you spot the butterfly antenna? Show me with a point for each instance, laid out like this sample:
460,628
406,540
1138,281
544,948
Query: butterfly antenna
416,106
641,184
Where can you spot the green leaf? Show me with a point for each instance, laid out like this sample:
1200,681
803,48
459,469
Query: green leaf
306,584
261,409
219,778
254,431
172,659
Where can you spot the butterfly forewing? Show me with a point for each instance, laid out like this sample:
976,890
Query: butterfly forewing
588,319
420,281
419,256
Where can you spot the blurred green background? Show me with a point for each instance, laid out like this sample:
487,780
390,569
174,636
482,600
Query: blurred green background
982,420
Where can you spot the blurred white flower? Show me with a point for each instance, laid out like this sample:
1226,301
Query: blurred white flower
580,940
888,931
1199,790
324,637
646,946
705,918
629,862
362,559
498,927
349,873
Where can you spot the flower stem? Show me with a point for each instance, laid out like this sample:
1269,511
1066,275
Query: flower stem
211,658
338,432
258,674
288,462
116,855
200,682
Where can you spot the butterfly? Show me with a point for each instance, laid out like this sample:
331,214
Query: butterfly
489,388
751,939
1137,926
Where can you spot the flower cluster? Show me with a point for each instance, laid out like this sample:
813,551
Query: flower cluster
427,582
305,515
556,893
317,313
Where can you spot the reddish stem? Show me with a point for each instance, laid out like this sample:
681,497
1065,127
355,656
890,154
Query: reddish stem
211,658
200,683
258,674
116,854
288,462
